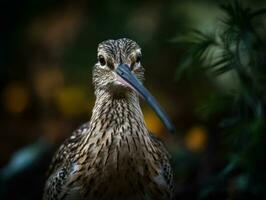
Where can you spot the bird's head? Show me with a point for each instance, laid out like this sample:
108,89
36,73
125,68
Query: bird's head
115,55
119,72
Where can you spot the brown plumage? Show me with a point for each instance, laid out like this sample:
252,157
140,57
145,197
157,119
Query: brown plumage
113,156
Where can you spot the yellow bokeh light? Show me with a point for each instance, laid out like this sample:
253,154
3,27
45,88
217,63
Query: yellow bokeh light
15,98
71,101
47,81
152,121
196,138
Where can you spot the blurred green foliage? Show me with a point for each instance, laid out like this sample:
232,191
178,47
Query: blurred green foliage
236,47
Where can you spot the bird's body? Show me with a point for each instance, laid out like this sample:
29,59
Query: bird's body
113,156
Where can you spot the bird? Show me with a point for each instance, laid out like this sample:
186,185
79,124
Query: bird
114,155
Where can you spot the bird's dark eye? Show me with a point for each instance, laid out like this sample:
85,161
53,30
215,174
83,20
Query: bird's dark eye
110,64
101,60
138,58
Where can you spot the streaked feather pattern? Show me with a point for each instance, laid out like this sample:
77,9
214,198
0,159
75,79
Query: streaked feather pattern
113,156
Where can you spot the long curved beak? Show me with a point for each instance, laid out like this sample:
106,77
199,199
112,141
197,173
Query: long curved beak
125,73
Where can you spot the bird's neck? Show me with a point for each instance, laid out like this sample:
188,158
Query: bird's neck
117,133
117,114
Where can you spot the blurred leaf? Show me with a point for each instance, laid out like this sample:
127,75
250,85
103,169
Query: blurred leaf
216,103
198,48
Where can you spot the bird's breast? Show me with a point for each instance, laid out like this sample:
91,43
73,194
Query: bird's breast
117,161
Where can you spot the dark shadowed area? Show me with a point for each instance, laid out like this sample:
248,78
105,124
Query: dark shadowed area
204,61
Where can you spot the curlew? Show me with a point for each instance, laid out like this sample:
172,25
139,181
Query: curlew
114,156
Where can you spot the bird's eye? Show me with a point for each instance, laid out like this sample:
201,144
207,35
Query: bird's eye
101,60
138,58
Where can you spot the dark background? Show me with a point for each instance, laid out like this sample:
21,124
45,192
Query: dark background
47,52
